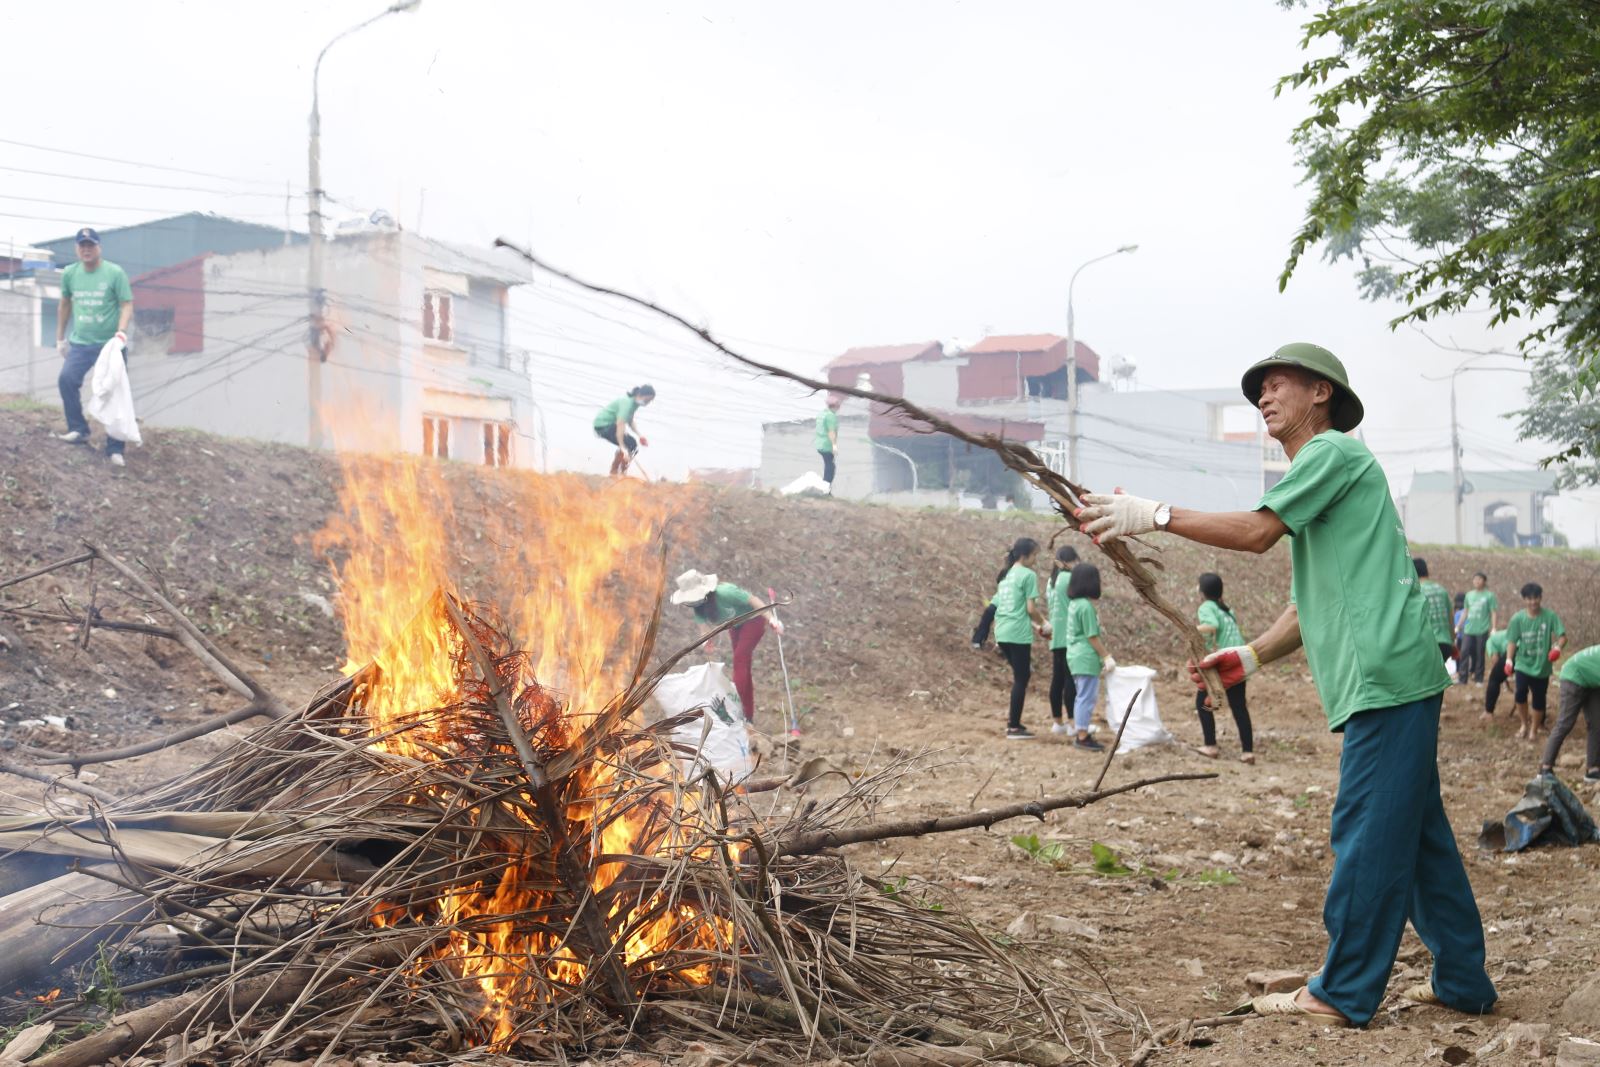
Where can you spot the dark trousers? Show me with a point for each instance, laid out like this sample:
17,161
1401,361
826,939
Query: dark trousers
608,434
1575,699
1395,859
1538,688
1063,689
1241,718
1497,678
746,636
827,466
79,362
1021,659
1446,650
985,624
1471,660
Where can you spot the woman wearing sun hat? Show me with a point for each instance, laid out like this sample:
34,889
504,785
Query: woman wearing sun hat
714,603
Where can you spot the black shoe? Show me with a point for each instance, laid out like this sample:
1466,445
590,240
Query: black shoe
1088,744
1018,733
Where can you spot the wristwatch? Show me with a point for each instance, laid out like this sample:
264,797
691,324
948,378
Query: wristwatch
1163,515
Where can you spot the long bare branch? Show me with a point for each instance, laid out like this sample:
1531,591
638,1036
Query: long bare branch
1066,494
47,568
155,744
816,840
64,781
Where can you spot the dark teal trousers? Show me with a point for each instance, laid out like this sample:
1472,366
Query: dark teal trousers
1395,859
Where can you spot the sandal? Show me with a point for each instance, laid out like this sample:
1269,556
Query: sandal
1247,757
1209,751
1289,1004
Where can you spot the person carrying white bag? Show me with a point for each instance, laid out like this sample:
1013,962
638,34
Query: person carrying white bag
111,397
95,309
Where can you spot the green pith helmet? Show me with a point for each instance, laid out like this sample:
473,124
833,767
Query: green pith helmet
1346,408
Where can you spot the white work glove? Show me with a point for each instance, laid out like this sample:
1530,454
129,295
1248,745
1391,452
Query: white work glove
1108,664
1109,516
62,345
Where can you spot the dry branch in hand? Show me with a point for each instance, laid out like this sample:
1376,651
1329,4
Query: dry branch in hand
1066,495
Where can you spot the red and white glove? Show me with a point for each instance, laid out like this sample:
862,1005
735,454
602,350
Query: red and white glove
122,337
776,624
1555,654
644,442
1110,516
1510,668
1233,665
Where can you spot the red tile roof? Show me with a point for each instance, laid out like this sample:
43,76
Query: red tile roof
880,354
1022,342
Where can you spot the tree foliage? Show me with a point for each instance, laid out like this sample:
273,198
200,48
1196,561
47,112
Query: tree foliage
1561,410
1453,150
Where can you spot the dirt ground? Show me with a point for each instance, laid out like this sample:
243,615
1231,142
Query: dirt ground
1228,874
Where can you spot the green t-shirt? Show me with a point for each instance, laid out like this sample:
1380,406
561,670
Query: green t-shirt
1011,623
1083,622
1055,598
827,422
1496,645
1532,637
622,408
1481,606
1362,618
97,297
1583,668
729,601
1227,636
1437,602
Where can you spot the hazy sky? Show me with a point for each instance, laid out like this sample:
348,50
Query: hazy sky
803,178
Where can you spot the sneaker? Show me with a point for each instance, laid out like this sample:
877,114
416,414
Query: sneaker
1060,728
1088,744
73,437
117,460
1020,733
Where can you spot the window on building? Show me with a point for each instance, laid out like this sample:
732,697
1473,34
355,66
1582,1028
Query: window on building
436,437
437,324
496,444
153,321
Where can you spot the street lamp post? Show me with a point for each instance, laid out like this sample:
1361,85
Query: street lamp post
1072,366
316,348
1455,427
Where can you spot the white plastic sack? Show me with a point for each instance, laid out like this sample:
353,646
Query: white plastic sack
718,738
1144,721
809,482
110,397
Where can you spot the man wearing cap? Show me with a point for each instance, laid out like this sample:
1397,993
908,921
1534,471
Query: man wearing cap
1357,609
96,302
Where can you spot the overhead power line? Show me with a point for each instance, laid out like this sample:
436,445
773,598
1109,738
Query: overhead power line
138,163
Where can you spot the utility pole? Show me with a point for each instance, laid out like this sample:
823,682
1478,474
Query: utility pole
1455,455
317,335
1072,365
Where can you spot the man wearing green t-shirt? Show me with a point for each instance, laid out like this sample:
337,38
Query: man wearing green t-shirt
1436,605
612,423
827,438
1580,692
96,304
1357,610
1495,649
1483,615
1534,639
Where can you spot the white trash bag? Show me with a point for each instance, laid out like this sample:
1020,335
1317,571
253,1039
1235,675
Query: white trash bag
1144,722
718,738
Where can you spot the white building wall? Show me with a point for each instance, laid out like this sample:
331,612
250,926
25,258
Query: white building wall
26,368
1430,519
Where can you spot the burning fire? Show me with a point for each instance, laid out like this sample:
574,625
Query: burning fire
574,574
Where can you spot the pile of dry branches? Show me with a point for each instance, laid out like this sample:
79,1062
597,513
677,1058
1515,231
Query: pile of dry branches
331,889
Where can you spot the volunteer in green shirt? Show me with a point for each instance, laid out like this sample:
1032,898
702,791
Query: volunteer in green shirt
1016,619
1483,615
715,603
612,423
1495,648
1215,620
1063,693
1086,653
827,439
1534,638
1436,605
96,305
1356,608
1580,692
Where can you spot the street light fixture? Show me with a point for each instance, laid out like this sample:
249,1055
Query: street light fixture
317,352
1455,434
1072,365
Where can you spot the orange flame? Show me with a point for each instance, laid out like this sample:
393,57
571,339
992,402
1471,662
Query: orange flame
583,573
